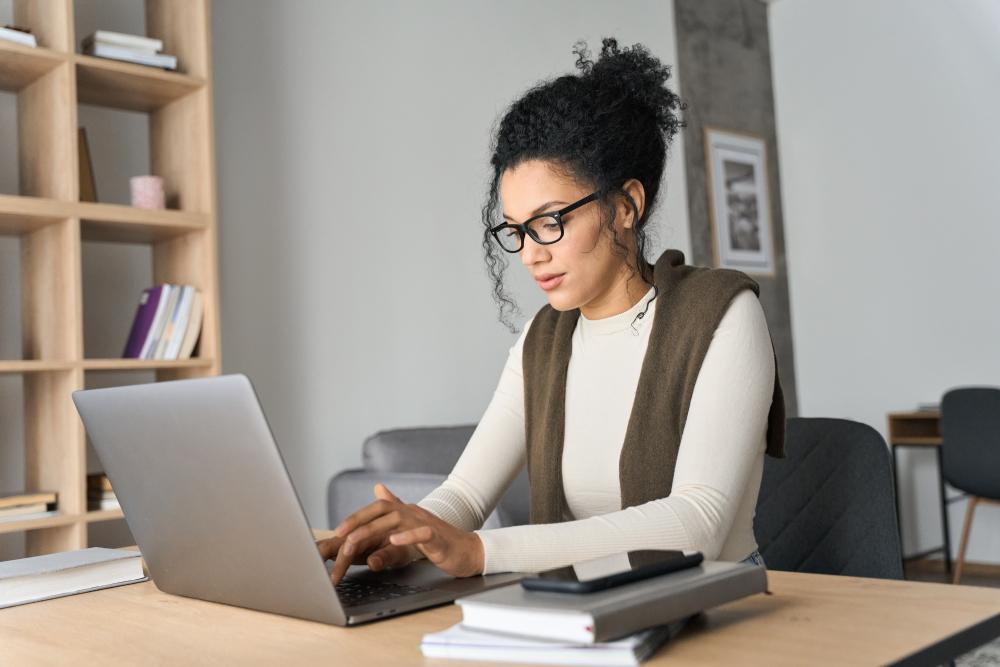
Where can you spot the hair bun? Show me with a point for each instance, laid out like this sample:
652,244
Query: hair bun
630,75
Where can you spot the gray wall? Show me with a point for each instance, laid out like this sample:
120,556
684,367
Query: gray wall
887,113
724,60
351,140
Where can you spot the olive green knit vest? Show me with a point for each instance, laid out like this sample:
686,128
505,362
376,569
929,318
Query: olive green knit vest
689,305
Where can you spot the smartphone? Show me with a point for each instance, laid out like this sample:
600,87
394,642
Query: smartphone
603,573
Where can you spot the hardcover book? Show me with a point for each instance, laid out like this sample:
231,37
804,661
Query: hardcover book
615,612
143,322
55,575
147,44
464,644
18,35
193,327
159,322
101,50
22,498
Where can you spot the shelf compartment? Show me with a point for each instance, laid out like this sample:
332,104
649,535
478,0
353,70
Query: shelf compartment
142,364
102,515
34,524
112,83
21,65
34,366
126,224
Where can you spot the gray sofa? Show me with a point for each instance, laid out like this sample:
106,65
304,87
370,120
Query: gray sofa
827,509
412,462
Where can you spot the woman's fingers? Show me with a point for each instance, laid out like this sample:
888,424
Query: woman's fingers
379,526
392,556
383,493
420,535
365,515
345,560
328,548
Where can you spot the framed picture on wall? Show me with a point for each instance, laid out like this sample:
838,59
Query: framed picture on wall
740,207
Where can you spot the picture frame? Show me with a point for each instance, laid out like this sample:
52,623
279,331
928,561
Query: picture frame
739,202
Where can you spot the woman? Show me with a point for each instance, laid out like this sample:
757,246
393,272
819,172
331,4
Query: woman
642,398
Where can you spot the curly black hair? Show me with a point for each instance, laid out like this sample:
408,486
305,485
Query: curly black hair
610,122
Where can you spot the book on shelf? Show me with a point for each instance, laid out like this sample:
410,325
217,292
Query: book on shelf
21,510
464,644
20,35
611,613
27,505
190,339
68,573
100,495
128,48
104,504
159,346
166,324
178,325
145,44
98,481
26,498
88,191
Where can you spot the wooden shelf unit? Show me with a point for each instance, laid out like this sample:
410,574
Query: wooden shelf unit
51,223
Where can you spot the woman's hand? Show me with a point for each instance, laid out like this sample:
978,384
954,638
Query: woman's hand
396,534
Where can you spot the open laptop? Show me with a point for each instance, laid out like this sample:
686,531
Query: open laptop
210,504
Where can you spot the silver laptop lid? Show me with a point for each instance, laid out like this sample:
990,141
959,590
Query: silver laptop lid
207,495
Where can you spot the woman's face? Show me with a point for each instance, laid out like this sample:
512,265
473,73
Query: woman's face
581,270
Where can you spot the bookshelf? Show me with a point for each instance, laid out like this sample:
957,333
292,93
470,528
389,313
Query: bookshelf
50,223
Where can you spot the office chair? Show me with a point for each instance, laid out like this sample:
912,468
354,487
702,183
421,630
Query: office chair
829,507
970,451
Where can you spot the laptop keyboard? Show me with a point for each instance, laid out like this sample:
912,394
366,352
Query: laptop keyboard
357,592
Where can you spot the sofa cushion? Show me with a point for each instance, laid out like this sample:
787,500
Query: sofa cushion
432,450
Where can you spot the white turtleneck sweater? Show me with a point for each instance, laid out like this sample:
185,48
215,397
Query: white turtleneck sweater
719,463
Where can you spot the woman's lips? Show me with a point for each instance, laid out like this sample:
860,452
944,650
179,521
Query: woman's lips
549,281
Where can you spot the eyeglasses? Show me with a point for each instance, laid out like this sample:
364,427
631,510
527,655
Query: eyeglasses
545,229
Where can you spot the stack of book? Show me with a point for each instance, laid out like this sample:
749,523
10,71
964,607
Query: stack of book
100,495
20,35
167,323
464,644
621,625
27,505
130,48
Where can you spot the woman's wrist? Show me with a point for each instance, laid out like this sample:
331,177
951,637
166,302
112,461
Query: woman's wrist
479,554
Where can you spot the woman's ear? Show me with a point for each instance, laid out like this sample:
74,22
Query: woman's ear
638,194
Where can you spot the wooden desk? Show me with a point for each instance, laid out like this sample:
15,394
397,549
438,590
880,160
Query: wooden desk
808,620
921,429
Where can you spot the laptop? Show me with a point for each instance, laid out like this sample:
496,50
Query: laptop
209,501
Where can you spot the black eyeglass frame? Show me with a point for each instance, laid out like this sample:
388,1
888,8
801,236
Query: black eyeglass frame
523,229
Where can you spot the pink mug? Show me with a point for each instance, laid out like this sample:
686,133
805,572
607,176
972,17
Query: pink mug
147,192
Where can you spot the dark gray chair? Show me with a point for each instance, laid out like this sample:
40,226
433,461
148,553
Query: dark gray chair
829,507
412,462
970,451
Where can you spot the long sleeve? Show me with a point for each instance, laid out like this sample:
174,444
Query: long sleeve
493,458
716,478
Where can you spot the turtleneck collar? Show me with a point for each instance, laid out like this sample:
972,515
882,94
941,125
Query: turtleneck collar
622,321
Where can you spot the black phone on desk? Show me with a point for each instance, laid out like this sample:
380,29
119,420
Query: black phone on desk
616,570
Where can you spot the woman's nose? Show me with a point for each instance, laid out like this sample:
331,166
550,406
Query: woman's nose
532,251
